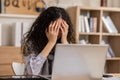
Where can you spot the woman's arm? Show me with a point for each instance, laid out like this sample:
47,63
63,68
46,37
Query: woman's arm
33,64
52,34
36,63
45,52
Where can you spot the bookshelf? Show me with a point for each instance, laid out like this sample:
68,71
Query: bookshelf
101,33
113,59
11,53
17,16
13,26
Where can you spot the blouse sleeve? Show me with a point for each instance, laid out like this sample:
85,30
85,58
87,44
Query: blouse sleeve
36,63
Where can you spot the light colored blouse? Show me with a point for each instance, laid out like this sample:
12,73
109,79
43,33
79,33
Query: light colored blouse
34,64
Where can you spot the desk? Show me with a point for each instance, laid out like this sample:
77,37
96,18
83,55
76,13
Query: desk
23,77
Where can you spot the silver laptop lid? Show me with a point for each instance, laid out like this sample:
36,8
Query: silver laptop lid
74,60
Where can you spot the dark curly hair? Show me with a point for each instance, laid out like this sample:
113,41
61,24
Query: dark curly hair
35,39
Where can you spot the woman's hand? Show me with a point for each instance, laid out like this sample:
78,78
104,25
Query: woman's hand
52,32
64,30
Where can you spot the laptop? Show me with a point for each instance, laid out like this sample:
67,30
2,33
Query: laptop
77,62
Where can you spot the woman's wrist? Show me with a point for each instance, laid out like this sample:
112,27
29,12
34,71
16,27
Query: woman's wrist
51,43
64,41
45,52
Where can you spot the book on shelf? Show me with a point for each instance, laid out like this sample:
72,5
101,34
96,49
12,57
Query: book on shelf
0,34
106,25
111,28
110,52
81,24
11,34
83,41
6,34
16,34
2,6
93,24
87,27
26,27
87,24
90,24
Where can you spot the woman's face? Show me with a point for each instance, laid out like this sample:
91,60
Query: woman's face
62,26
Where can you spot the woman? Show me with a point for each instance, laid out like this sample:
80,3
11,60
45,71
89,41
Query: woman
52,26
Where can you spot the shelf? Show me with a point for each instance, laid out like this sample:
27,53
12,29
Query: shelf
114,74
113,39
9,47
113,59
109,9
90,33
111,34
89,8
17,16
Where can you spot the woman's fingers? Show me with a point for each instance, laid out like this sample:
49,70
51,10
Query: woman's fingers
61,28
66,25
56,27
52,26
64,28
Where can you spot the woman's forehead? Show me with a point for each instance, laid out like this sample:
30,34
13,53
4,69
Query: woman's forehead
59,20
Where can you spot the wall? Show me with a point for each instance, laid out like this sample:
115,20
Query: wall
67,3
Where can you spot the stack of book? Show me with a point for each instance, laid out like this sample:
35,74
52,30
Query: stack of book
87,24
12,34
0,34
2,6
109,25
5,34
110,52
16,34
